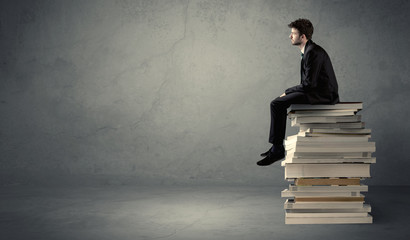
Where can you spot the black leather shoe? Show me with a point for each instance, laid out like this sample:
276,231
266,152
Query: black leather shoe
271,158
266,153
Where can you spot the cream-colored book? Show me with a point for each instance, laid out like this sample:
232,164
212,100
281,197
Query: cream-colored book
329,220
342,105
321,113
296,121
315,182
329,139
349,125
359,170
352,188
327,160
289,193
331,147
291,204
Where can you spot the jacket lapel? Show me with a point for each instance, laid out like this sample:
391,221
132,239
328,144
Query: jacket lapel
308,47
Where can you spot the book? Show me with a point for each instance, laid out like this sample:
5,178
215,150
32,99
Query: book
334,213
326,181
296,121
321,194
356,188
325,214
330,144
292,154
338,106
362,208
291,204
338,131
337,136
321,113
324,147
327,160
348,125
359,170
330,199
328,220
327,139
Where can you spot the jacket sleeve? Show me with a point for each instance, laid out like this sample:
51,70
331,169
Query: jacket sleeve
309,74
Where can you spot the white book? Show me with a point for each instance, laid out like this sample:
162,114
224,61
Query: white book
341,105
328,160
291,153
288,193
332,214
330,139
321,113
366,208
325,144
328,119
332,143
313,131
335,188
329,220
360,170
331,147
291,204
340,136
348,125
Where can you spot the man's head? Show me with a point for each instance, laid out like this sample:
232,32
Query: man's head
302,31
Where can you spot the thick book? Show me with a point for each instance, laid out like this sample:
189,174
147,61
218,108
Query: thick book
301,136
291,154
328,139
327,160
316,131
356,188
296,121
348,125
329,220
291,204
338,106
330,147
362,208
324,214
302,213
321,113
359,170
327,181
318,194
330,199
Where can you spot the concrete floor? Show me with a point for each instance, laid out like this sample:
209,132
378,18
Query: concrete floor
130,212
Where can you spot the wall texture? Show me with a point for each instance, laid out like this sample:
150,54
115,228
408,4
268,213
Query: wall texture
179,91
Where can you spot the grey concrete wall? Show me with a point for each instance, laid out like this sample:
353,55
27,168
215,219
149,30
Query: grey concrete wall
179,91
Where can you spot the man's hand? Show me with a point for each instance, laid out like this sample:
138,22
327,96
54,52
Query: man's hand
284,94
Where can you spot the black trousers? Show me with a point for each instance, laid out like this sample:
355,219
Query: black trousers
278,113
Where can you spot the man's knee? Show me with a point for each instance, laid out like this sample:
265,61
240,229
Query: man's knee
278,104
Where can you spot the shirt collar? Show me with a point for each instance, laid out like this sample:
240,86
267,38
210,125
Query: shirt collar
302,51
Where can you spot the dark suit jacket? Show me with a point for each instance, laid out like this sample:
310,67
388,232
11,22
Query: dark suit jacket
318,80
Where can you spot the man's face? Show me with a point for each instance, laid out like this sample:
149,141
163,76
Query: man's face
295,37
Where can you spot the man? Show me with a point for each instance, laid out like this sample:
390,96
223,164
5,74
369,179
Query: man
318,85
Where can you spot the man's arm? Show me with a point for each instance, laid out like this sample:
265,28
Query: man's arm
310,73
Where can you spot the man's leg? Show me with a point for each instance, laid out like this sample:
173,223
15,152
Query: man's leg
278,112
277,132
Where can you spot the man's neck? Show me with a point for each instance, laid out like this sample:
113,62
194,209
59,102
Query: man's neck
302,46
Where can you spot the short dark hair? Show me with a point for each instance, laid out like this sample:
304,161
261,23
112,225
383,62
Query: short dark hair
304,26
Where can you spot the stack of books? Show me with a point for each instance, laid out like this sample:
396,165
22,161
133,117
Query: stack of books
325,163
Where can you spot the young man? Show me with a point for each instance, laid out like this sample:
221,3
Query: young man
318,85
